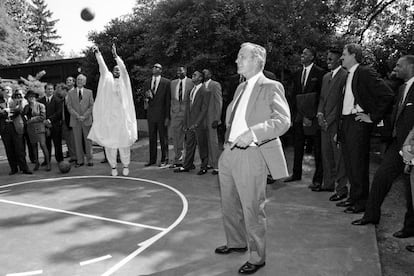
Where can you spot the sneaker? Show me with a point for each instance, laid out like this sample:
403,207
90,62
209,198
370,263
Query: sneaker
114,172
125,171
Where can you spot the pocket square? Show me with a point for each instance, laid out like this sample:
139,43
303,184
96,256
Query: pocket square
408,104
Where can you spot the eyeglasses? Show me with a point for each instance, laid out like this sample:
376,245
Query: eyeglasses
17,96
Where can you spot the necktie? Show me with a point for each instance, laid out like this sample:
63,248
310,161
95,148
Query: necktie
153,85
233,112
48,100
303,78
80,95
180,91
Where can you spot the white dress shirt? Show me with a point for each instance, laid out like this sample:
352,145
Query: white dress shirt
194,92
239,124
177,89
335,71
157,82
207,83
349,105
407,88
308,68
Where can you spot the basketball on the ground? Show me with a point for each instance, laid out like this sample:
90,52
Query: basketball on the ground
64,166
87,14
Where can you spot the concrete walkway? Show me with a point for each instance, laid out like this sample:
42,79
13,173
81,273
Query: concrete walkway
307,234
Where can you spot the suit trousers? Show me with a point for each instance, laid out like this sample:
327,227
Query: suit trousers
299,144
178,135
213,147
67,135
124,153
333,163
392,166
80,134
193,139
242,176
355,138
14,146
154,129
56,137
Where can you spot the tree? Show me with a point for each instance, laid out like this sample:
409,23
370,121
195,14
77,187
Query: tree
43,32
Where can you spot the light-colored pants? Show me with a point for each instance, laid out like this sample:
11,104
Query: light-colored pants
242,175
79,132
124,153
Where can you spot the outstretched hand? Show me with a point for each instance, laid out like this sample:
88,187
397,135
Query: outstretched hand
95,49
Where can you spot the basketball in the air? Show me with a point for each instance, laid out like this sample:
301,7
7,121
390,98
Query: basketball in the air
64,166
87,14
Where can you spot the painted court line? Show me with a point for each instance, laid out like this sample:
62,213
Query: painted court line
36,272
91,261
82,215
4,191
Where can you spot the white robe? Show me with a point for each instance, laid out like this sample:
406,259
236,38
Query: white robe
114,124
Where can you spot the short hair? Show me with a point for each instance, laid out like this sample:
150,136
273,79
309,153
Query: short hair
201,74
312,50
81,76
355,49
409,59
182,66
335,50
49,84
258,52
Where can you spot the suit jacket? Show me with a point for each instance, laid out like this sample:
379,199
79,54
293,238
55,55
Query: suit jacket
53,110
159,106
80,108
177,108
16,117
331,93
313,85
268,116
196,113
216,102
403,118
371,93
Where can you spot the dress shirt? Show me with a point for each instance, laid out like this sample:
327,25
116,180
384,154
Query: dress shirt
335,71
239,124
177,89
48,99
80,91
194,92
157,82
407,88
307,68
349,105
207,83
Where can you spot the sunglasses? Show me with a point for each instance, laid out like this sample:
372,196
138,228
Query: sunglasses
157,67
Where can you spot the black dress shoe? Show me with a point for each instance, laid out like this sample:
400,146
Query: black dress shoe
149,164
345,203
215,172
363,221
321,189
249,268
354,210
181,169
202,171
104,161
173,166
79,165
13,172
27,172
90,164
410,248
227,250
336,197
270,180
403,234
292,178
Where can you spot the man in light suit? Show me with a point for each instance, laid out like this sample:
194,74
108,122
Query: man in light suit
408,156
180,90
213,119
158,95
195,125
80,104
257,116
328,119
12,130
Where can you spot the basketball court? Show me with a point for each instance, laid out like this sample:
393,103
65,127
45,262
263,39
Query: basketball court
156,222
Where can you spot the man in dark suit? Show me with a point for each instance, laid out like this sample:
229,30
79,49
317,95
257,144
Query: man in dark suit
307,89
11,131
328,119
158,97
53,121
180,91
392,165
213,118
365,101
195,125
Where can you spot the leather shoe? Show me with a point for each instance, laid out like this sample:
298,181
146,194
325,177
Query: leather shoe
173,166
354,210
44,163
215,172
410,248
363,221
27,172
270,180
79,165
104,161
345,203
227,250
403,234
336,197
181,169
202,171
149,164
249,268
292,178
321,189
90,164
13,172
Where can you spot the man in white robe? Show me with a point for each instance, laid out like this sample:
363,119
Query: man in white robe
114,126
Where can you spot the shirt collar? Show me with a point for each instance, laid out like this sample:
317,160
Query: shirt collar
254,79
308,67
334,71
409,83
353,68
